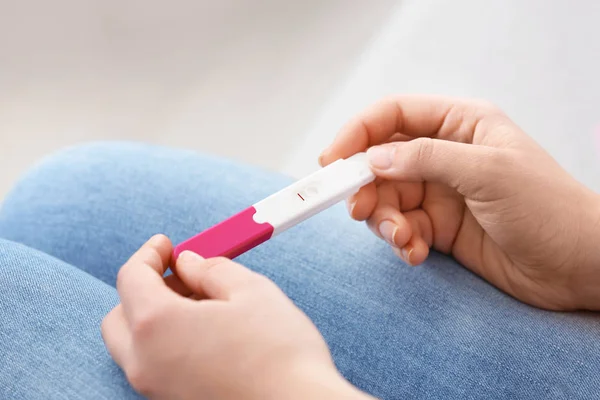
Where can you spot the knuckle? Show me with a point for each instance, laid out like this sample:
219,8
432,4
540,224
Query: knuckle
486,106
144,324
424,150
219,263
139,378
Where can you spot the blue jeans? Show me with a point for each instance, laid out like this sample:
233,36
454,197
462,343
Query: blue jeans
432,332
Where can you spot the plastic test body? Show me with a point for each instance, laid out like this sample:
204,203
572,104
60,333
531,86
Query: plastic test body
281,210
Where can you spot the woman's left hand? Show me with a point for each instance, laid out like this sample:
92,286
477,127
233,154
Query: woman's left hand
214,329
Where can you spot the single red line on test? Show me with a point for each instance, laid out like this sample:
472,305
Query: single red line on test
300,196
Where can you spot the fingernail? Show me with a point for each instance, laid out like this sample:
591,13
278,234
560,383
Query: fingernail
388,230
351,205
322,156
380,157
406,252
156,240
189,257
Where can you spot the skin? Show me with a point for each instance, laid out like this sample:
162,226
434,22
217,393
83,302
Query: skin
216,330
463,179
453,175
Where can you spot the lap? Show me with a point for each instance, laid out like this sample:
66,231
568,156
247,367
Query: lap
435,331
50,342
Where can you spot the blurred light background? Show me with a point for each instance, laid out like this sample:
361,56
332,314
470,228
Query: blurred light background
270,82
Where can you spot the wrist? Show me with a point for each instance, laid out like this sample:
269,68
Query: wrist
315,381
586,282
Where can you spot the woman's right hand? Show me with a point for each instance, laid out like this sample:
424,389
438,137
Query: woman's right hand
460,177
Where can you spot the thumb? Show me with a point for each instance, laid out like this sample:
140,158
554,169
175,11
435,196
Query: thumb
213,278
464,167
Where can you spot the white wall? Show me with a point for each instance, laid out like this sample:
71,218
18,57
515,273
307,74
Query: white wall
537,59
270,82
240,78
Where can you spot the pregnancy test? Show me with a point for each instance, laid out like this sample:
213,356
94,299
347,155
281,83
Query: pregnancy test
282,210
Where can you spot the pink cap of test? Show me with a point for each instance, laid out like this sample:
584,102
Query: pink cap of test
229,238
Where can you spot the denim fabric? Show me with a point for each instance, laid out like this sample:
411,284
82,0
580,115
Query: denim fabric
431,332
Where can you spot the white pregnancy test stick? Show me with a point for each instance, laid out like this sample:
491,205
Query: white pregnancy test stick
282,210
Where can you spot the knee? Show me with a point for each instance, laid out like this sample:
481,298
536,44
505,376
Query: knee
89,181
86,163
74,166
86,195
118,172
124,186
79,179
87,171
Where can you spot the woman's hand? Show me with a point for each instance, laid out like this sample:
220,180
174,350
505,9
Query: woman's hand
460,177
215,330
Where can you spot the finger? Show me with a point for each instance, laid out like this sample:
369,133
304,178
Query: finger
472,236
215,278
176,285
190,269
140,281
488,260
399,137
415,116
463,167
421,225
445,208
410,194
362,204
386,221
415,252
396,137
116,335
